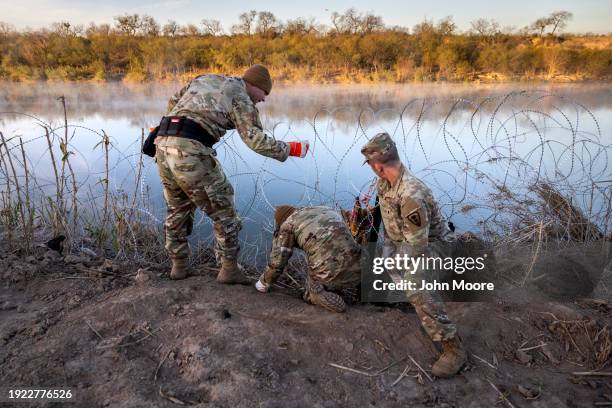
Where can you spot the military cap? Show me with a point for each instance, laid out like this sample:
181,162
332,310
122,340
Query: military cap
381,148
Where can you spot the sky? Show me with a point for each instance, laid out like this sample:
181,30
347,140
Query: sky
589,15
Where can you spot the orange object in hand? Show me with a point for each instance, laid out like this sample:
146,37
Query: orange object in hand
299,149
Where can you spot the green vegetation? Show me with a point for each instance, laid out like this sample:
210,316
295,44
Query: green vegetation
355,47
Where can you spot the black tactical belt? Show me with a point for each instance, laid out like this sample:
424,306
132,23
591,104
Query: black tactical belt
178,126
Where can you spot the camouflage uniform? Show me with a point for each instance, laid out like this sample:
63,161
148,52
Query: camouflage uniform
192,176
414,225
333,255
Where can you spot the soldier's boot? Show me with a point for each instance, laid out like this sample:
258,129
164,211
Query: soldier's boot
452,359
317,295
231,273
180,269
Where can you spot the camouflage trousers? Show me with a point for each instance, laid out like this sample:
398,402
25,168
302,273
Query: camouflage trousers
345,274
427,304
192,177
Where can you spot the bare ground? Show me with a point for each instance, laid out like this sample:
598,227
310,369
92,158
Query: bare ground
120,341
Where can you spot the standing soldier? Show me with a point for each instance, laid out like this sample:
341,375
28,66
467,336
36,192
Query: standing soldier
333,255
414,223
199,115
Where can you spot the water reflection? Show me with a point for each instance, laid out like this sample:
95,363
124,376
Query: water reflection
138,103
465,141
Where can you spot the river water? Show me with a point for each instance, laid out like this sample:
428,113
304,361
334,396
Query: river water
464,141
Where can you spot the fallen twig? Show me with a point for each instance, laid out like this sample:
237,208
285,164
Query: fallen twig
170,397
402,375
485,361
377,373
131,343
533,347
94,330
421,368
501,394
70,277
161,363
594,373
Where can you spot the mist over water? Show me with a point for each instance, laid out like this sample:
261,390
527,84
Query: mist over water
462,140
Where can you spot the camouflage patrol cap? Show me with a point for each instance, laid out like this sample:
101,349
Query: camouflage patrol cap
381,148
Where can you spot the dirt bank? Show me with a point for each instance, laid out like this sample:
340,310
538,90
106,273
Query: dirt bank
120,341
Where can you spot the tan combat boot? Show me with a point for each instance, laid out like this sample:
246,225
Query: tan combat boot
231,273
452,359
317,295
180,269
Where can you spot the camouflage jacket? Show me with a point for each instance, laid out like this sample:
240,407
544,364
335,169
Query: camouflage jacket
333,255
219,103
410,212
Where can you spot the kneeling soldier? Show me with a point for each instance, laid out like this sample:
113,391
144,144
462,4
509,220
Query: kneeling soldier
333,255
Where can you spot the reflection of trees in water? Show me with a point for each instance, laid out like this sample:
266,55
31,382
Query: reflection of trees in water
295,103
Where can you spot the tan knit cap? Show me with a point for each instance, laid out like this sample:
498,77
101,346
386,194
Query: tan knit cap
259,76
282,213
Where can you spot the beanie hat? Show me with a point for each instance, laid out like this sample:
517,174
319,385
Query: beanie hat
282,213
259,76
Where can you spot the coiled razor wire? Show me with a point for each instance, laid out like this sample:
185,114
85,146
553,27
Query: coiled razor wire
482,157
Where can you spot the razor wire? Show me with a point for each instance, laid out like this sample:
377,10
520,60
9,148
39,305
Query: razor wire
483,157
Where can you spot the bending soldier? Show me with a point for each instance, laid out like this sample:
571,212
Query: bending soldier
333,255
413,223
198,116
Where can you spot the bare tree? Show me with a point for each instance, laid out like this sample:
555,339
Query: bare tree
189,30
267,24
170,29
353,22
149,26
485,28
336,22
540,25
245,26
102,29
128,24
347,23
211,27
559,19
423,28
62,28
446,26
300,26
370,23
6,29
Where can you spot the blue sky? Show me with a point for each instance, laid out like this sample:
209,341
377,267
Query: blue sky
589,15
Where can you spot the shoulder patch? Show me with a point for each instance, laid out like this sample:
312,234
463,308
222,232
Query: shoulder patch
415,218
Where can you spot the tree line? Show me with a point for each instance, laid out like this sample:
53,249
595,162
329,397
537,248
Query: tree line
353,47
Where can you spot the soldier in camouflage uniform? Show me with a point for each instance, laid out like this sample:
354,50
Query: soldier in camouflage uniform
333,255
414,224
192,176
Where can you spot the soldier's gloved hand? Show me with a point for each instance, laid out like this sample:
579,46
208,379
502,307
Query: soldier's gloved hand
261,286
299,149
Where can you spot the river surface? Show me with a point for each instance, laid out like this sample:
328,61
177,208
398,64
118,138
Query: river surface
463,140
